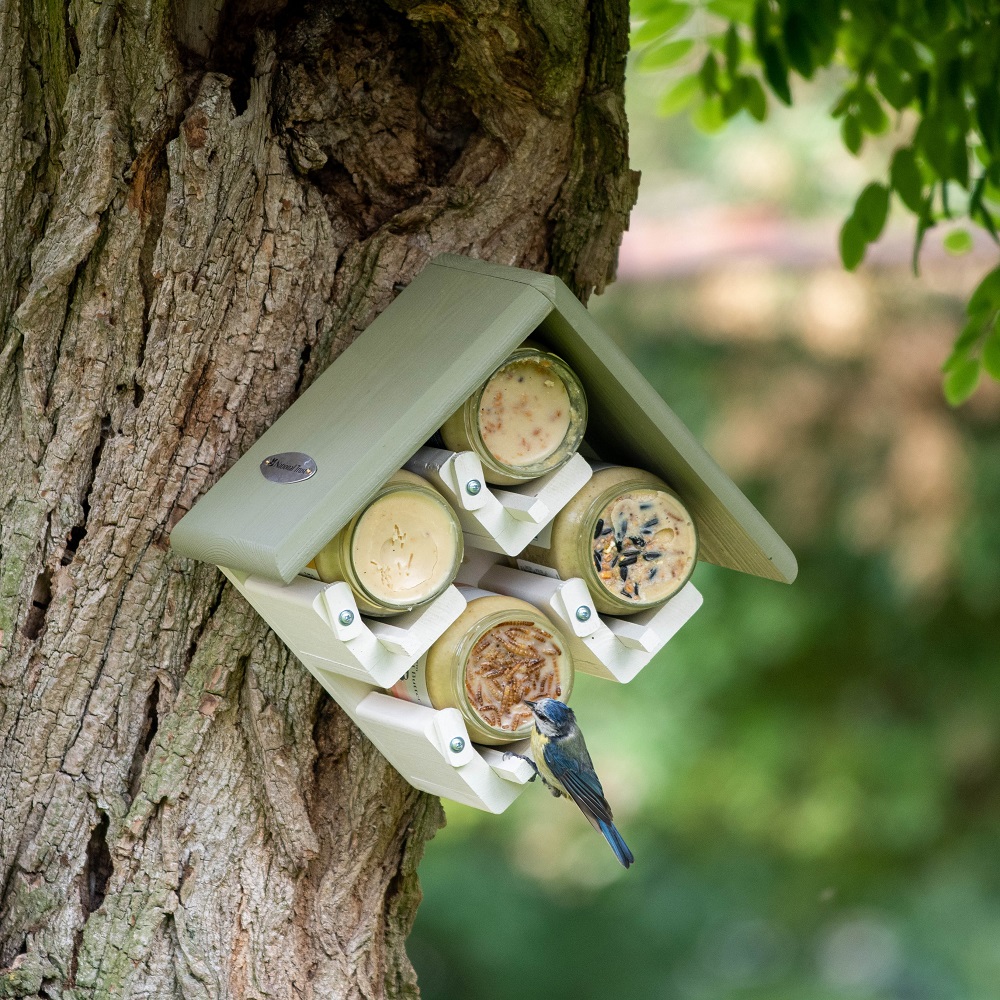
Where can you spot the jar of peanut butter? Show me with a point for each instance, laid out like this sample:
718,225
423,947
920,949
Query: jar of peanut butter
498,652
627,535
527,419
400,551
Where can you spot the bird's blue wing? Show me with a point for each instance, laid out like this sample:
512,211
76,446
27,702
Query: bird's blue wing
570,764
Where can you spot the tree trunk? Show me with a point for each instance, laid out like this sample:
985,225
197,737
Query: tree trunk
201,204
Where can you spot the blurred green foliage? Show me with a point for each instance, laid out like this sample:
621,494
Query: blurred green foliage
930,67
809,776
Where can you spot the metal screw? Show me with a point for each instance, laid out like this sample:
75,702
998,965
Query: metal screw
457,745
473,486
583,613
345,617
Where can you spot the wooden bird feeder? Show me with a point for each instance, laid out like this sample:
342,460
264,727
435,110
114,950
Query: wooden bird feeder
373,412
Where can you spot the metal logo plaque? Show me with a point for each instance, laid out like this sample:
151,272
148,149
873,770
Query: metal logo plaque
288,467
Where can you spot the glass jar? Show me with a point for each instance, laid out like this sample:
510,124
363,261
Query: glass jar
497,653
527,419
400,551
627,535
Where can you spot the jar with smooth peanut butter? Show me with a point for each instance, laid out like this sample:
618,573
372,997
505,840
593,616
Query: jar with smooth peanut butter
627,535
526,420
499,652
400,551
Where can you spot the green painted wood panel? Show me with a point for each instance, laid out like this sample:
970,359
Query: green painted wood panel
630,424
388,392
361,420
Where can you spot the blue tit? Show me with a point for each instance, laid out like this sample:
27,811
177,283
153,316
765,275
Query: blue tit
562,762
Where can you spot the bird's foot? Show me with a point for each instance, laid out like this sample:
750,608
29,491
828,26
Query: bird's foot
524,757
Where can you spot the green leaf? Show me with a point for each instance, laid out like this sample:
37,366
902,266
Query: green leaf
870,112
796,37
922,82
761,23
733,49
988,114
740,11
932,137
734,99
903,54
850,132
666,18
959,160
936,12
896,87
971,333
843,104
852,244
958,241
871,210
991,351
942,139
923,224
986,296
756,102
680,95
978,212
906,179
666,54
709,75
709,117
960,383
776,72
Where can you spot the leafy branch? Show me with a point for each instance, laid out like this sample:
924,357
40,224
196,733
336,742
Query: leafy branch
934,63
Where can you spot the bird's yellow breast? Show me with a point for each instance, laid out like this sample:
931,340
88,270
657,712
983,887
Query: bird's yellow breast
538,743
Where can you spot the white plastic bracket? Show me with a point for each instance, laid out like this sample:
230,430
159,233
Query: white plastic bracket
321,624
501,520
602,645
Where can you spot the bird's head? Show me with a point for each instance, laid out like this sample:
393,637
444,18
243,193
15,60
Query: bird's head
552,717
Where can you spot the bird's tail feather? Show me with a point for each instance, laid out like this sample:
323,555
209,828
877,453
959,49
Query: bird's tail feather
618,845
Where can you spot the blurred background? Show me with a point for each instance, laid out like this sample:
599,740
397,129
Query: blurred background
809,776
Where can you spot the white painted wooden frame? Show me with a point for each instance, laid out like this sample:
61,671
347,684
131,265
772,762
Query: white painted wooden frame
430,748
321,624
355,660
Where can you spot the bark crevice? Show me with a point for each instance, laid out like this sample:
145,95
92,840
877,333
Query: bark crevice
98,868
41,598
147,735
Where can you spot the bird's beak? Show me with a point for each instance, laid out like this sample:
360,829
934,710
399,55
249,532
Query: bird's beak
530,704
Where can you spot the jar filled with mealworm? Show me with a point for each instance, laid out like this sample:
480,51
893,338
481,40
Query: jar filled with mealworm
627,535
499,652
527,419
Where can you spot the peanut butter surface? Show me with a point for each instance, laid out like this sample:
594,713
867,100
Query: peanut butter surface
524,412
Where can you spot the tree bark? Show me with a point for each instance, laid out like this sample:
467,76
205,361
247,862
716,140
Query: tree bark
201,204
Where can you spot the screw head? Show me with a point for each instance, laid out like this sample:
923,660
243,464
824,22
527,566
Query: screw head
473,487
345,617
583,613
457,745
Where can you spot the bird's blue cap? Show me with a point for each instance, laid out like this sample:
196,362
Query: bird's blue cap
548,708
